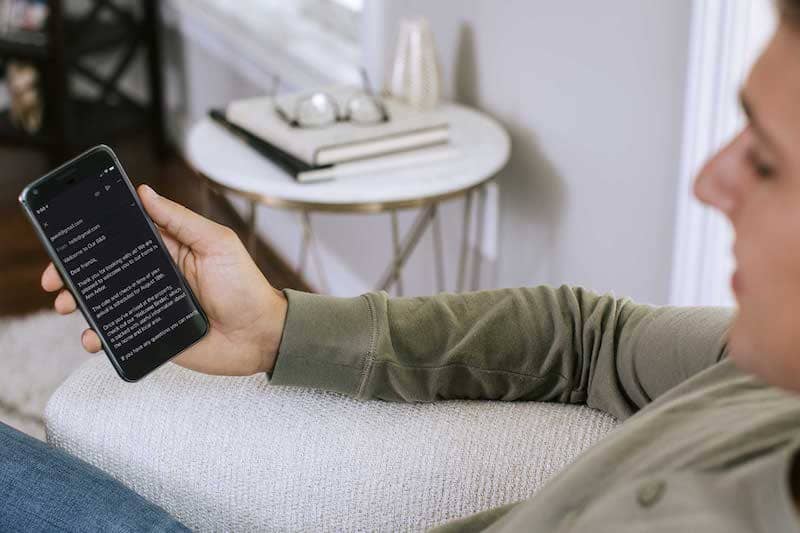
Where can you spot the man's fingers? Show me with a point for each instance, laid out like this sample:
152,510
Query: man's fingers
65,303
90,341
51,280
186,226
172,245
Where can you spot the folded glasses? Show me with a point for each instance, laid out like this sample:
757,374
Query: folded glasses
320,109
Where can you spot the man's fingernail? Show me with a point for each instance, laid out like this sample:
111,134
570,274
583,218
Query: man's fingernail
149,190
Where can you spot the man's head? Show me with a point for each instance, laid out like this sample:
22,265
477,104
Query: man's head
755,182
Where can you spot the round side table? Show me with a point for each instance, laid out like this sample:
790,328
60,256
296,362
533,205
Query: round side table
226,164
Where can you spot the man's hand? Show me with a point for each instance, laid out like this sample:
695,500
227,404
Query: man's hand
245,312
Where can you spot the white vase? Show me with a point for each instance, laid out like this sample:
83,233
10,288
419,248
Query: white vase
415,76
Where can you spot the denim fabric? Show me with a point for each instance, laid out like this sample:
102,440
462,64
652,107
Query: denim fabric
44,489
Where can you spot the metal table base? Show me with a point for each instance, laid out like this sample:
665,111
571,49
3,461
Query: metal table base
402,248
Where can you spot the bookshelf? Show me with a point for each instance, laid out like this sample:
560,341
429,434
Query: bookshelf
73,122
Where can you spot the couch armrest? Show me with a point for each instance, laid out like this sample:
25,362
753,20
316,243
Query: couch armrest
238,454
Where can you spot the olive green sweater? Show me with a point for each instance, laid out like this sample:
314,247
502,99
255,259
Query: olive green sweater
704,446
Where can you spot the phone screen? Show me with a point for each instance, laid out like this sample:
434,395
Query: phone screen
140,305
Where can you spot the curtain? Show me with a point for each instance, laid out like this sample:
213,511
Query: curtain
725,38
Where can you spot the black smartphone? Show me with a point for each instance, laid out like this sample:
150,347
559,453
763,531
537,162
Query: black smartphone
113,261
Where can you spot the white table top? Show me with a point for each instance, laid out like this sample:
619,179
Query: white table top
483,147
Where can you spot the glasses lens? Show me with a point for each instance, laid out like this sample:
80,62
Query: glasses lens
316,110
365,109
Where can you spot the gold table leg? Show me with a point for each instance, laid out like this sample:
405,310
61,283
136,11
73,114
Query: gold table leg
462,260
403,251
310,244
438,254
477,257
301,262
398,280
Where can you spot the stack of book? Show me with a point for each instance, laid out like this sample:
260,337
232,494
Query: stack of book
409,137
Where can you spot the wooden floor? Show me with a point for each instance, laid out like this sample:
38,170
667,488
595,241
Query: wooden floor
22,257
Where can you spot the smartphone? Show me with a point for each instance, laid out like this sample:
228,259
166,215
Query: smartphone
113,261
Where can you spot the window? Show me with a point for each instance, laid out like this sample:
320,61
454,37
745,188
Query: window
323,35
727,36
336,18
342,17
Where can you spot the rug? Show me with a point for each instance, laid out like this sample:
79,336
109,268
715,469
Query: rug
37,353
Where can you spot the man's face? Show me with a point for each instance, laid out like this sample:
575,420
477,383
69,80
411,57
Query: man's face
755,182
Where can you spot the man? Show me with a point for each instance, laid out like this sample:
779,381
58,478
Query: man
712,414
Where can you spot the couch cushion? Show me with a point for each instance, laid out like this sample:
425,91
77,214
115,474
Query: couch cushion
234,454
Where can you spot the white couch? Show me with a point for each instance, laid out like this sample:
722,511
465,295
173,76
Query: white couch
236,454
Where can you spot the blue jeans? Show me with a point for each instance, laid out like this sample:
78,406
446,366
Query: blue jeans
45,489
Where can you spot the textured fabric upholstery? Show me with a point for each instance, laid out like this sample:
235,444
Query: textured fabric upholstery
237,454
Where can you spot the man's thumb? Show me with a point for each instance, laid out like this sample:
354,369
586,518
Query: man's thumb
186,226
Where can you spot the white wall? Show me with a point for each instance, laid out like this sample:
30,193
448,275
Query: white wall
592,94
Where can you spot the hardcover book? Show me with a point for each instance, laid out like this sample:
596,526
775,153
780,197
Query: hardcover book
406,129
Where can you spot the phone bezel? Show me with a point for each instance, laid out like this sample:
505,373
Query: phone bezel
59,174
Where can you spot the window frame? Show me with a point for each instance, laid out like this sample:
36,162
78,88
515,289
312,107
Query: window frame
290,46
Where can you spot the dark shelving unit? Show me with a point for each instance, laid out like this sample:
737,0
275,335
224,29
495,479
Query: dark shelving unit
72,122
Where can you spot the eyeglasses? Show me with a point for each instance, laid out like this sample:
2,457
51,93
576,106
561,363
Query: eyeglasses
320,109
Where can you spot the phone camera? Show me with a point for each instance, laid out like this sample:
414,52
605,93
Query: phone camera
35,191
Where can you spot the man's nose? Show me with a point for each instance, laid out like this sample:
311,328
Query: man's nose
718,184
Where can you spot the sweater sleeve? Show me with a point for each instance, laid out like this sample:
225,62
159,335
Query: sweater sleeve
563,344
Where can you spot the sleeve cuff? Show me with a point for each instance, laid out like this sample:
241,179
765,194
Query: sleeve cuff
326,342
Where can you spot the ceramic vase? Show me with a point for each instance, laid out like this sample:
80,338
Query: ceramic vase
415,76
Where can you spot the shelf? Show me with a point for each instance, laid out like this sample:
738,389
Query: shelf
99,36
90,122
10,134
10,47
67,51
